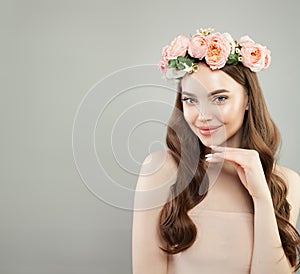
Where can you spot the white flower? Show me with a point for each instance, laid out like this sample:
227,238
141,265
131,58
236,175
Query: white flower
237,50
173,73
205,31
187,68
230,40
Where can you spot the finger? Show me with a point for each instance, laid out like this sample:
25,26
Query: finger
221,149
237,158
214,157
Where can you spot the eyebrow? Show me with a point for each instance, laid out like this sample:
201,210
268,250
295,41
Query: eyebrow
209,94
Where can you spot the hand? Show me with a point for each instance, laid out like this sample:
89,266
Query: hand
248,166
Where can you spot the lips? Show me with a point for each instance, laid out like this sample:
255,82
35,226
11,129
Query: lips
206,131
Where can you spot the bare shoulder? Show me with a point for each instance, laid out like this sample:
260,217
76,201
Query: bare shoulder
158,172
157,168
292,179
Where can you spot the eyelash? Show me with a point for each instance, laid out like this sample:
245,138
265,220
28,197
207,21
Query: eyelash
220,96
186,99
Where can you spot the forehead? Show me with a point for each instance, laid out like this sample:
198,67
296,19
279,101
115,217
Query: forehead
207,80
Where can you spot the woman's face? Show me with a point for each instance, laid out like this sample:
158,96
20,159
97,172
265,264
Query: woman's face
214,106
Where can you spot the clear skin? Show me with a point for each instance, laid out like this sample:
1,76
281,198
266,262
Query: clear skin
225,109
241,186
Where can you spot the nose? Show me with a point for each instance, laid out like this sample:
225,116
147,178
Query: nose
203,118
204,114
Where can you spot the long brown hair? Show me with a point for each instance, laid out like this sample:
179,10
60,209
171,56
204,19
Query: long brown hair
260,133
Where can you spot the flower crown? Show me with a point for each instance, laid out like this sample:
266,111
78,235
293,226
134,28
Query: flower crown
216,49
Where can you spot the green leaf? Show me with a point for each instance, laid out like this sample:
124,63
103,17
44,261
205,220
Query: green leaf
181,59
189,62
180,66
233,59
172,63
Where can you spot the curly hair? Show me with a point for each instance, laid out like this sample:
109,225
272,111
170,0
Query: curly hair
260,133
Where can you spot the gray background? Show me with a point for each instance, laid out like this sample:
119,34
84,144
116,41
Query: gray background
52,53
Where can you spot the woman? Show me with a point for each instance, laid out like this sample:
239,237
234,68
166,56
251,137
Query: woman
227,206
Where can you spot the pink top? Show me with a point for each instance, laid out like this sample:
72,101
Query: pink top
224,244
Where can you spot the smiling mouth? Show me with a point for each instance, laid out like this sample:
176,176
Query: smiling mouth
207,131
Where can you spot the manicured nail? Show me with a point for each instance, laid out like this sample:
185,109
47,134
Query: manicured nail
211,159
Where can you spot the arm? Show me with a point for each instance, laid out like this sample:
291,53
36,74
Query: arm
268,255
151,192
147,258
266,231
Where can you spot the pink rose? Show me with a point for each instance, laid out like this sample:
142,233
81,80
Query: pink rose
178,47
198,46
163,64
245,40
254,56
230,40
164,54
267,59
218,51
163,67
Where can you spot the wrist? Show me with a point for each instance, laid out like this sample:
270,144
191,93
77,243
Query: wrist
266,200
263,196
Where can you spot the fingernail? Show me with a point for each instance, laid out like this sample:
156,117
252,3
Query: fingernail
213,146
209,159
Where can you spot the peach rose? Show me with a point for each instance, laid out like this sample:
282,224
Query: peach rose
245,40
230,40
163,67
267,59
164,54
254,56
178,47
163,64
218,51
198,46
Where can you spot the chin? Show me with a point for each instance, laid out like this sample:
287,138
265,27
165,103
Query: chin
212,140
212,143
209,141
231,142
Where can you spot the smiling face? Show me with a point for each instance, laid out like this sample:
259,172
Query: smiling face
214,106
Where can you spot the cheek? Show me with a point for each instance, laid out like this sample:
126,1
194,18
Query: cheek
233,112
190,114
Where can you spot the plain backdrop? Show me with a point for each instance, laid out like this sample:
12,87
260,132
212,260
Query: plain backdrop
52,53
